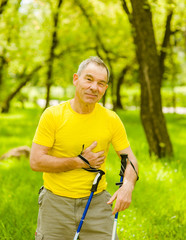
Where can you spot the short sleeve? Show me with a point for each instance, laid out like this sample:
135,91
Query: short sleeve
45,131
119,139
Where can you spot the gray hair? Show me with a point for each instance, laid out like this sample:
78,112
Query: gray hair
96,60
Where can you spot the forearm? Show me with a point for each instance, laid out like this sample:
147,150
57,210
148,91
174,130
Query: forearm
47,163
130,174
123,195
41,161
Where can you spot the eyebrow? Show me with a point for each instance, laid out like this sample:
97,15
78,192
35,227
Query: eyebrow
100,80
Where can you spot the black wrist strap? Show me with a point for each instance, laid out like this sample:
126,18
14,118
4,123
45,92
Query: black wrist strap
90,169
134,169
84,160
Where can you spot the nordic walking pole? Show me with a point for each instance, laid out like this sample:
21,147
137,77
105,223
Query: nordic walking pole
122,171
93,189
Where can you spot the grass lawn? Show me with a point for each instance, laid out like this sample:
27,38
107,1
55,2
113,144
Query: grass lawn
158,207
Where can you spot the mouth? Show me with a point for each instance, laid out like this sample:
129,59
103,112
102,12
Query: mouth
91,95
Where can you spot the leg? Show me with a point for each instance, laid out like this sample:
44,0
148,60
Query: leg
99,219
56,217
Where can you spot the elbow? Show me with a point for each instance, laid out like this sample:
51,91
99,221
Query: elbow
37,156
34,164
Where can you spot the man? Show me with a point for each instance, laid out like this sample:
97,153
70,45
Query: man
61,133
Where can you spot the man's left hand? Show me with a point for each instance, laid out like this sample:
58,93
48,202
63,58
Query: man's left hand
123,197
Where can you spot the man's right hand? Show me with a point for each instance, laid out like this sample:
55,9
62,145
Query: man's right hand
96,159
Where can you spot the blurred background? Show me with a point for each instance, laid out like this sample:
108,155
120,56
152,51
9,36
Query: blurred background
42,42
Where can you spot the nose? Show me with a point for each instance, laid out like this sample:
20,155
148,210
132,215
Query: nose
94,85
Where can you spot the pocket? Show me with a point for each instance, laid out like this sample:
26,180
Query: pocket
38,236
107,198
41,195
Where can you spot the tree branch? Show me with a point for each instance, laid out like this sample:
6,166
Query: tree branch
125,8
2,6
165,43
91,25
52,49
28,77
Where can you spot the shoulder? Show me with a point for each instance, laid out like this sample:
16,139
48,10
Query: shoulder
106,112
53,114
57,109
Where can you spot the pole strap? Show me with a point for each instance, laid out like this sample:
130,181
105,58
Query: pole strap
134,169
85,161
124,158
90,169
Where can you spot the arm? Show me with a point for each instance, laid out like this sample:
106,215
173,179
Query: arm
123,195
41,161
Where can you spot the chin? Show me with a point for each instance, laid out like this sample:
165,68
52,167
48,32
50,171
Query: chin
91,100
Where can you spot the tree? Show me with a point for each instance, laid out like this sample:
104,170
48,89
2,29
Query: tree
17,66
151,66
54,43
25,79
120,79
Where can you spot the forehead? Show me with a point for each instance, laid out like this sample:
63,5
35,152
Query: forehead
95,71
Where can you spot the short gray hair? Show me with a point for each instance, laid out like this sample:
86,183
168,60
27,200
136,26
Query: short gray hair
93,59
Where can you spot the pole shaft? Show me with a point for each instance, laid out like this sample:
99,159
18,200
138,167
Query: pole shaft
84,213
116,218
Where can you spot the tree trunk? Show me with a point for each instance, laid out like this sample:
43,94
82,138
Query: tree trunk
119,83
150,78
52,54
165,43
6,103
2,64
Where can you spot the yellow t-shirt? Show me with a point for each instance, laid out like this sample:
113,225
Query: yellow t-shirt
65,131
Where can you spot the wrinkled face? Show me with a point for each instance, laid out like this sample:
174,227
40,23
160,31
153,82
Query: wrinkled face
91,84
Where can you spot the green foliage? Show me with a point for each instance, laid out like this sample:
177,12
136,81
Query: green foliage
174,97
158,207
26,33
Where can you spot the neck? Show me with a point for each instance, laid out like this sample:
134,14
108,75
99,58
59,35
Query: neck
81,108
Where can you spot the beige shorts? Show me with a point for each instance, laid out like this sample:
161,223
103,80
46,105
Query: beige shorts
59,217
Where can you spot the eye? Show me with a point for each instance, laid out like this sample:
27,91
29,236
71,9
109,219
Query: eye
102,84
89,79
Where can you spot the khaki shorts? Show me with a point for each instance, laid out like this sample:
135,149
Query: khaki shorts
59,217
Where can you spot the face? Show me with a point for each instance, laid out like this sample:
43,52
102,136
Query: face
91,84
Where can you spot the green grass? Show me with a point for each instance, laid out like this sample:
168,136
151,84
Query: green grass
158,207
17,128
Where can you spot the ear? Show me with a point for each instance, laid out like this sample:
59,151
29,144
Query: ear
75,78
106,87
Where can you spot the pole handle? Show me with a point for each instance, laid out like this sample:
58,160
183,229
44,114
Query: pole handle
123,164
96,180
